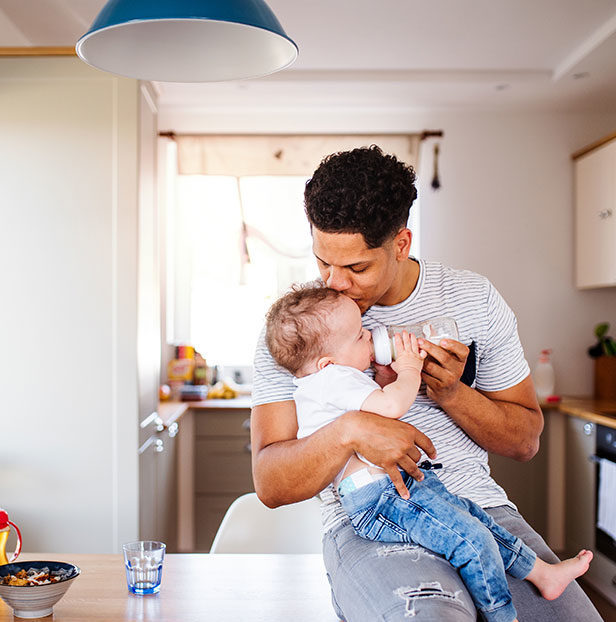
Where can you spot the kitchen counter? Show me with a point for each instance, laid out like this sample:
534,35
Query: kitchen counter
224,588
602,412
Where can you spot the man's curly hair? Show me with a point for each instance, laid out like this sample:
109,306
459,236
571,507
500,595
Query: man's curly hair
296,328
361,191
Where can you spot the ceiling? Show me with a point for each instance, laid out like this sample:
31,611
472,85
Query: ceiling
395,54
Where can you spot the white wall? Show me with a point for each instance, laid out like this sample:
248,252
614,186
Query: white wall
68,251
504,209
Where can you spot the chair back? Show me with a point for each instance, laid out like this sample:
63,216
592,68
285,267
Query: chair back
249,526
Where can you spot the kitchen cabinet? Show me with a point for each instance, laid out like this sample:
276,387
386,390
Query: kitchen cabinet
158,466
580,506
156,444
595,216
147,488
167,496
580,437
222,464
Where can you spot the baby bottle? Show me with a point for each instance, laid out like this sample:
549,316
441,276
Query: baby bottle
432,330
5,527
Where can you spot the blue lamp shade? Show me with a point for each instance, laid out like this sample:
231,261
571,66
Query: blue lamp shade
187,40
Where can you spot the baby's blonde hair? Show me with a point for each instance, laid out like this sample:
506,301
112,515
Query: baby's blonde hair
296,325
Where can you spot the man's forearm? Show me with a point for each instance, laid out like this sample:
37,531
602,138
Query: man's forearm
293,470
502,427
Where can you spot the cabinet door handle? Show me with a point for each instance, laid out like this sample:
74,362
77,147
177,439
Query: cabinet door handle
145,445
248,448
588,428
604,214
173,429
155,420
246,424
157,442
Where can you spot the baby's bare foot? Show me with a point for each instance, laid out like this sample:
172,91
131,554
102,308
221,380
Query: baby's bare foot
558,576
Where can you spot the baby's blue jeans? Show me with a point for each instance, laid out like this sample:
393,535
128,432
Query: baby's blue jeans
451,526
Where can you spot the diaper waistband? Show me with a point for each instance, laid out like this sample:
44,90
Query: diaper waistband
360,478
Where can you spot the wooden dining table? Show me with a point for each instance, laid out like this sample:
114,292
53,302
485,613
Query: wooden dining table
196,588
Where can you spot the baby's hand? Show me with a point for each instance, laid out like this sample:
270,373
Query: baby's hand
408,355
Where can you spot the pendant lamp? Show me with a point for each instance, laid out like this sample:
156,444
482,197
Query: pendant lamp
187,40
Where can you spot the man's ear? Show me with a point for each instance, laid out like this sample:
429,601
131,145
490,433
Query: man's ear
402,244
324,361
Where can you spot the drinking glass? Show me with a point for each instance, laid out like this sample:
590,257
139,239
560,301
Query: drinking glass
144,566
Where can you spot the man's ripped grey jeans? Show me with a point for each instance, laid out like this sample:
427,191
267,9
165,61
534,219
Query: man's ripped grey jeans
375,581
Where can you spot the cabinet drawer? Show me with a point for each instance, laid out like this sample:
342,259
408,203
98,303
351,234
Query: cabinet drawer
223,465
222,423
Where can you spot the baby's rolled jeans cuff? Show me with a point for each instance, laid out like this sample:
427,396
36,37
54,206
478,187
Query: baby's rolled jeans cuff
523,562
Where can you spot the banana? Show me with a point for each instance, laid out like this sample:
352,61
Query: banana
221,390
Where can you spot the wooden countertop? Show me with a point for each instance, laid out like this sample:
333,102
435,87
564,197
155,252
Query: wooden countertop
171,411
602,412
221,588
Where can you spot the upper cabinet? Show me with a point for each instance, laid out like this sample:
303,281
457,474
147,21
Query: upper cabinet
595,215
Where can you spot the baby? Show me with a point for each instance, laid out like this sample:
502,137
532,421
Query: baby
316,334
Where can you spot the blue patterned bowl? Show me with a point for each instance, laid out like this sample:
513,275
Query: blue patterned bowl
36,601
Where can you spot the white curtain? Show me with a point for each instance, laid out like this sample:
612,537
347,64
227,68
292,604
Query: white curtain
241,156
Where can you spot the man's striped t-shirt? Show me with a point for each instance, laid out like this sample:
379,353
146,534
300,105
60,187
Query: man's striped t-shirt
485,320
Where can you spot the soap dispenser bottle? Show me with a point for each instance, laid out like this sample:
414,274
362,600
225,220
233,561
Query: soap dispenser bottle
543,376
5,527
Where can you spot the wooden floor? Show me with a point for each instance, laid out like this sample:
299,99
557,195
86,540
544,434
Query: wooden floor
604,607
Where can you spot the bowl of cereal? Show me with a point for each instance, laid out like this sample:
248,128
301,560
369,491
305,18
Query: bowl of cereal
33,588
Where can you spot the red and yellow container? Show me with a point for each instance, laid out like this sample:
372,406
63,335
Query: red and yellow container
5,528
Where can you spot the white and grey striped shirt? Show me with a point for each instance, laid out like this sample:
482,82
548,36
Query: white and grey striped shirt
483,318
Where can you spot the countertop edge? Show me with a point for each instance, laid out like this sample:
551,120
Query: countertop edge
170,412
586,408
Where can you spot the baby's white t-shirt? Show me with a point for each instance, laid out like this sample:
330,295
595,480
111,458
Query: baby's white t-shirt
325,395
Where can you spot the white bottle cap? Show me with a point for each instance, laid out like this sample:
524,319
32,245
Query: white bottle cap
382,345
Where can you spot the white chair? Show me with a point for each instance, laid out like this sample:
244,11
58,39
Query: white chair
249,526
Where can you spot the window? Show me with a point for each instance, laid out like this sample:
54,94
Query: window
237,235
235,275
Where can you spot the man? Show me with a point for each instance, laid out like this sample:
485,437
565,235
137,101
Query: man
478,397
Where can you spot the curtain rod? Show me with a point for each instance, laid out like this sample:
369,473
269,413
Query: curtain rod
422,135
